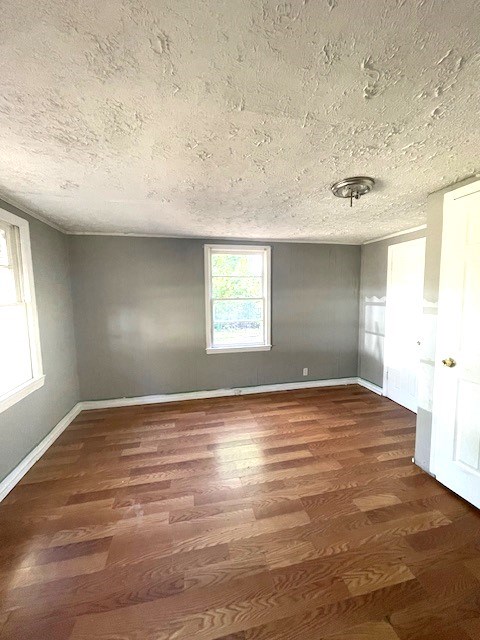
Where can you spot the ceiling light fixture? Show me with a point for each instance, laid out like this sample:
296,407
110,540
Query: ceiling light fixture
352,188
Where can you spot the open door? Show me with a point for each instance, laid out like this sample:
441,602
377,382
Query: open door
404,309
456,405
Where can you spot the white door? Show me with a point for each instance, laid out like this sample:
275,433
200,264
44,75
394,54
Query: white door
404,310
456,402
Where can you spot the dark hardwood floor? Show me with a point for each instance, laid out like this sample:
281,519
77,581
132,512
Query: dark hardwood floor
283,516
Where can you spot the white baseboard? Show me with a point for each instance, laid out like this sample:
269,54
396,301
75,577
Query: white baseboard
214,393
14,477
27,463
370,386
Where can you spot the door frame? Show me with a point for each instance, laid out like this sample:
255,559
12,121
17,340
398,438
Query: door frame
388,333
448,198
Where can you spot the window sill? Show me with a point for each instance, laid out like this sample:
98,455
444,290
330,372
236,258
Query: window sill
17,394
263,347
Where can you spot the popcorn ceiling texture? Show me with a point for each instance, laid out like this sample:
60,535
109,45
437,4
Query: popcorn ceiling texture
231,118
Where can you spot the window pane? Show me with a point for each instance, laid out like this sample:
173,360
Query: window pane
242,332
238,322
232,264
8,291
3,247
234,310
247,287
15,364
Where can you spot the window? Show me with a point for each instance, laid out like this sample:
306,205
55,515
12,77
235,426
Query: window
20,357
237,298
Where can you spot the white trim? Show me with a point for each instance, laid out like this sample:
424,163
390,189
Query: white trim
262,347
395,235
213,239
20,392
369,385
14,477
215,393
23,209
266,252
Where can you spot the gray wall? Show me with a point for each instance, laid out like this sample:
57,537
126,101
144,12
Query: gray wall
26,423
423,443
373,295
140,317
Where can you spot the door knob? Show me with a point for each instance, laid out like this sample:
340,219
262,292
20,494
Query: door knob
449,362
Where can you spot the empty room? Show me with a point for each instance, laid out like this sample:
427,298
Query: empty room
239,272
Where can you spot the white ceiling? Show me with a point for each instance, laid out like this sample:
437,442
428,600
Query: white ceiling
231,118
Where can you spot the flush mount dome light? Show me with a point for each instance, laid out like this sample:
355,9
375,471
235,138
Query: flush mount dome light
352,187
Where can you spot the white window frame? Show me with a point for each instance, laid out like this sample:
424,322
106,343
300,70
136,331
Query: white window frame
25,273
267,298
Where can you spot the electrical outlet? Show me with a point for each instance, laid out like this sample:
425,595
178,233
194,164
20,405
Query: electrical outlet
305,371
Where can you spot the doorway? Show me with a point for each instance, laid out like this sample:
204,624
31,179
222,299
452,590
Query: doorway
403,318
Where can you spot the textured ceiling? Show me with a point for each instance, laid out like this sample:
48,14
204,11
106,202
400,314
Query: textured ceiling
232,118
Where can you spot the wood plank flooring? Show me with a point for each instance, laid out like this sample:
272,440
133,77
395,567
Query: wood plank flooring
285,516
